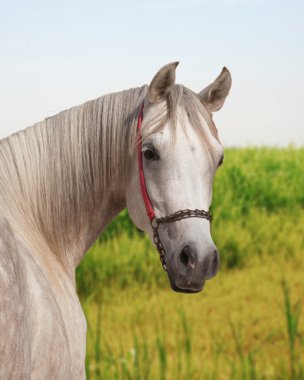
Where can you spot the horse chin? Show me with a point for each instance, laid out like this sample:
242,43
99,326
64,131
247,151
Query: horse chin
179,289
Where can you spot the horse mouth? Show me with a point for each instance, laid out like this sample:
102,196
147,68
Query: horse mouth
185,290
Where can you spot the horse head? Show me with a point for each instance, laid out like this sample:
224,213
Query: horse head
179,153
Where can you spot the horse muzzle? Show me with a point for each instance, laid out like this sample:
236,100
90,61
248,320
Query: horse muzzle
188,270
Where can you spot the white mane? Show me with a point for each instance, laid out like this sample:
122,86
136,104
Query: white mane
54,173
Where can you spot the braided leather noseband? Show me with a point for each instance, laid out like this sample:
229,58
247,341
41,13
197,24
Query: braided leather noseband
179,215
155,222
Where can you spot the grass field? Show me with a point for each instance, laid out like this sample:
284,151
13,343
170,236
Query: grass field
246,324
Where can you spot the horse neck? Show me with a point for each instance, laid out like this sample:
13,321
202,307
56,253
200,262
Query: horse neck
62,180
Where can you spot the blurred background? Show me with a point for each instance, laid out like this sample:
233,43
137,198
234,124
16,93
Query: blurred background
246,324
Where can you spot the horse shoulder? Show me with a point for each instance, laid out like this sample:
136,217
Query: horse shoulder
14,347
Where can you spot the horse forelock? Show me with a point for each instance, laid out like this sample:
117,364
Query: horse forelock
168,113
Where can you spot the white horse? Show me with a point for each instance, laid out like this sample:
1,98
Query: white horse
65,178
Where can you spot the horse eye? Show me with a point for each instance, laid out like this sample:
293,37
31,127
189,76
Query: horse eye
220,161
149,154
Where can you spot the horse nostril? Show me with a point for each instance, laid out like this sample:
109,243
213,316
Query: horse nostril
214,266
187,257
184,258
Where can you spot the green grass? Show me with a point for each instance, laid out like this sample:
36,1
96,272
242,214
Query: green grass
292,315
246,324
147,358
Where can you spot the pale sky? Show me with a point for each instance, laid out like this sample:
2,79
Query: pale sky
60,53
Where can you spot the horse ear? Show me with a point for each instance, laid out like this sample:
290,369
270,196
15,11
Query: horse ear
162,83
213,96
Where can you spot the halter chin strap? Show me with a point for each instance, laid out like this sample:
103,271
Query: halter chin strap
154,221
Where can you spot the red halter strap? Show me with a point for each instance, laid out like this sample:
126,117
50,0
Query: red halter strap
143,187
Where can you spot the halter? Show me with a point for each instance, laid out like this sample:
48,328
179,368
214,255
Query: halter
154,221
